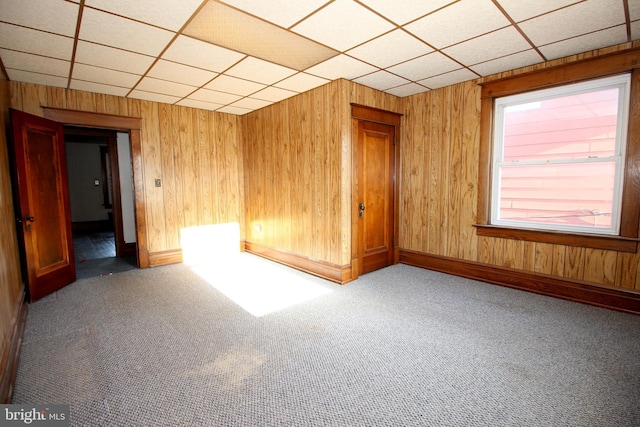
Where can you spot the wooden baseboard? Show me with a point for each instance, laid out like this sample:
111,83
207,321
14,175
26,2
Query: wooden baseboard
11,351
583,292
336,273
171,256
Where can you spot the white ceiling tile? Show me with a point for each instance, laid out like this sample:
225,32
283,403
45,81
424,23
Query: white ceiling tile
108,57
251,103
230,109
213,96
425,66
572,21
407,90
196,53
448,79
284,13
520,10
403,11
33,41
164,13
301,82
149,84
260,71
90,73
458,22
193,103
342,25
58,17
179,73
111,30
490,46
381,80
98,88
597,40
35,63
634,10
273,94
341,66
155,97
228,84
506,63
635,30
36,78
390,49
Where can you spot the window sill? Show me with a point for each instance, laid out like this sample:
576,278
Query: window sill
593,241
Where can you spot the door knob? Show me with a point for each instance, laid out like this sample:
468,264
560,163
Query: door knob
361,206
28,217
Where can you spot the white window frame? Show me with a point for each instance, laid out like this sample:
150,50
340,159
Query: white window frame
623,82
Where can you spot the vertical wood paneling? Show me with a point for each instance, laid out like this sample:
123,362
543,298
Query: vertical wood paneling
152,154
543,258
176,144
628,267
171,220
469,164
432,177
206,171
334,152
557,267
600,266
439,194
513,254
574,263
454,172
56,97
297,171
11,288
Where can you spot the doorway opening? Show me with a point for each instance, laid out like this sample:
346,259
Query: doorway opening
101,200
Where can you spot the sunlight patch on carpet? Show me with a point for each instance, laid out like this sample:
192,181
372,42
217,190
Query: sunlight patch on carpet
260,287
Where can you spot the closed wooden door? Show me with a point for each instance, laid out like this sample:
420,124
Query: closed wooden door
374,173
43,216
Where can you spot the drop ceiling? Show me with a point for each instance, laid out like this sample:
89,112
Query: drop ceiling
235,56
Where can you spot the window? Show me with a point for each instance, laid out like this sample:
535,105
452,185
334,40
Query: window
558,157
611,224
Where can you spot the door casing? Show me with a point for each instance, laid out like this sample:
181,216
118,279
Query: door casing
369,114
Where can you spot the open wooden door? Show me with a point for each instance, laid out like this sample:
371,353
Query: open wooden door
374,172
42,208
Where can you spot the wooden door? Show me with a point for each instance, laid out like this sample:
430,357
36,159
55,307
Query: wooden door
374,173
42,209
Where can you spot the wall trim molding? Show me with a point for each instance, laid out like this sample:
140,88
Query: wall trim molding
572,290
9,357
336,273
170,256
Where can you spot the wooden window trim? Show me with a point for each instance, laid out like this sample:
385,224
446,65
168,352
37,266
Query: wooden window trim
606,65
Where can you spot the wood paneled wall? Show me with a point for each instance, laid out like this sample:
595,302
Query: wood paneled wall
298,171
11,287
195,153
439,191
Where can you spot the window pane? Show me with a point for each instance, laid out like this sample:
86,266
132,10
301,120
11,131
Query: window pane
566,194
567,127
